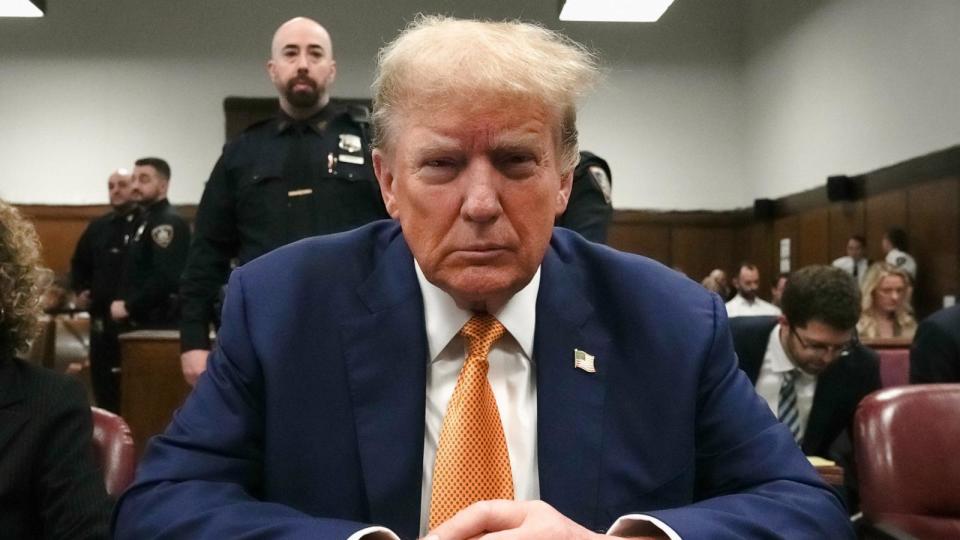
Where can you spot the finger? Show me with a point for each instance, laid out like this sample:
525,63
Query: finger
479,518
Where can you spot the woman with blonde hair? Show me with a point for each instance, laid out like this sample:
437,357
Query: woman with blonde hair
49,485
886,309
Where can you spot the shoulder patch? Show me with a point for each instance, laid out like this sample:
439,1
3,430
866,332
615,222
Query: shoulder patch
599,177
901,260
162,235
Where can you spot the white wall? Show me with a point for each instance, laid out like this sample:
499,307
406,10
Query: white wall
847,86
98,83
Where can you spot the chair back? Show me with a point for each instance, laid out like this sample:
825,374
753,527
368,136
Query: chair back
894,367
113,450
907,442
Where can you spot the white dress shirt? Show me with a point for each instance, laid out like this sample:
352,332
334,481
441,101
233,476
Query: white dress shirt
847,264
739,306
513,380
775,364
903,260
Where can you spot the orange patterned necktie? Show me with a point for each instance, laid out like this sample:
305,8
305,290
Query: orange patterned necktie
472,460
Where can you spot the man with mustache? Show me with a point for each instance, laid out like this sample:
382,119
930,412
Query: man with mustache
302,173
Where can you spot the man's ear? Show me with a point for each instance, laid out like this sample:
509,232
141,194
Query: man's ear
382,167
782,319
271,71
563,194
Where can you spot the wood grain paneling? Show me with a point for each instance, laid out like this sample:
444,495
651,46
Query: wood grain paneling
814,237
698,250
883,212
649,240
934,228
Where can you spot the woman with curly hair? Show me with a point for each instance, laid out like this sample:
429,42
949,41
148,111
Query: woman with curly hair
49,485
886,309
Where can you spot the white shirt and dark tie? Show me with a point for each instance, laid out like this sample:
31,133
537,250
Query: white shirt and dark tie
776,365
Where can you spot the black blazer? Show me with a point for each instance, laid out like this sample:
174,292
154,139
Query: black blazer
49,485
839,389
935,354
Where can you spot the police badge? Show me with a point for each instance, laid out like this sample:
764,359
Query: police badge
162,235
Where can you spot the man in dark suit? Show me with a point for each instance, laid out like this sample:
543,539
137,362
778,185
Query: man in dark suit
813,348
935,354
467,368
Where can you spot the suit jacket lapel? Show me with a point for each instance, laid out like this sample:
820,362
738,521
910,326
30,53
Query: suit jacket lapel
386,356
569,400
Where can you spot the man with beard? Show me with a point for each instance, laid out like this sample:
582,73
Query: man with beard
157,254
747,302
302,173
95,275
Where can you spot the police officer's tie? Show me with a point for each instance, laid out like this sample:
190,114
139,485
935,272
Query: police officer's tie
472,460
787,407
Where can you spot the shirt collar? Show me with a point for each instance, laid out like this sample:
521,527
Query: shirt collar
779,361
444,318
316,123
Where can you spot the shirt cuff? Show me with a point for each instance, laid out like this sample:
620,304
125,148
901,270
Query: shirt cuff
374,533
638,524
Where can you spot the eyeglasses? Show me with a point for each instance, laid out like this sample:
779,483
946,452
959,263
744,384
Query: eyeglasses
821,350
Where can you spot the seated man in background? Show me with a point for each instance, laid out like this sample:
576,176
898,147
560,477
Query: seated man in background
935,354
468,367
95,272
157,253
590,209
807,364
49,485
776,290
855,261
747,302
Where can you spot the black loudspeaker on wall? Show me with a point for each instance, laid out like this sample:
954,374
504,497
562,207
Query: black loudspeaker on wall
842,188
764,208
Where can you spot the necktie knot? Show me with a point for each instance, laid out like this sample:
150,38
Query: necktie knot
481,332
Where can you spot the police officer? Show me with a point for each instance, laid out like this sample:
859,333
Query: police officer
894,246
589,210
95,277
303,173
157,253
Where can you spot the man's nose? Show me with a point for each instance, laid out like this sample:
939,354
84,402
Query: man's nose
482,199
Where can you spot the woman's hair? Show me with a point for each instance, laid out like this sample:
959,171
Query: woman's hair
903,316
22,281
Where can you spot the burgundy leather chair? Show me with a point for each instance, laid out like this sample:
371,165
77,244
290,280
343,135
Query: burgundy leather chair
907,442
894,367
113,450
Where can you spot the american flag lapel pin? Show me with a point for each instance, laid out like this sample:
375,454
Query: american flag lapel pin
584,360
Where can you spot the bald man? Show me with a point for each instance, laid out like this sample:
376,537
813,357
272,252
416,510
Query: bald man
304,172
95,276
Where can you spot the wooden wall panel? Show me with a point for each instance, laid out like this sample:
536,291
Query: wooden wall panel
846,220
814,245
881,213
755,244
647,239
934,227
698,250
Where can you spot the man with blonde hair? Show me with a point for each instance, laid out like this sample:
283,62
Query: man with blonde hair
468,368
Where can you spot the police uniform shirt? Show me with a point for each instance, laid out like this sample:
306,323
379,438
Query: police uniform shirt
156,257
903,260
98,258
279,181
589,210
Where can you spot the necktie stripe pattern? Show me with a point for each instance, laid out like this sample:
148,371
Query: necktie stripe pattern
472,459
787,407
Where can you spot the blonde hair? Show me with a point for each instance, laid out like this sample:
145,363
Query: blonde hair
904,323
437,58
22,281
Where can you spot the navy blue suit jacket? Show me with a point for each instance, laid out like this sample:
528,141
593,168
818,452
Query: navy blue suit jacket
309,420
